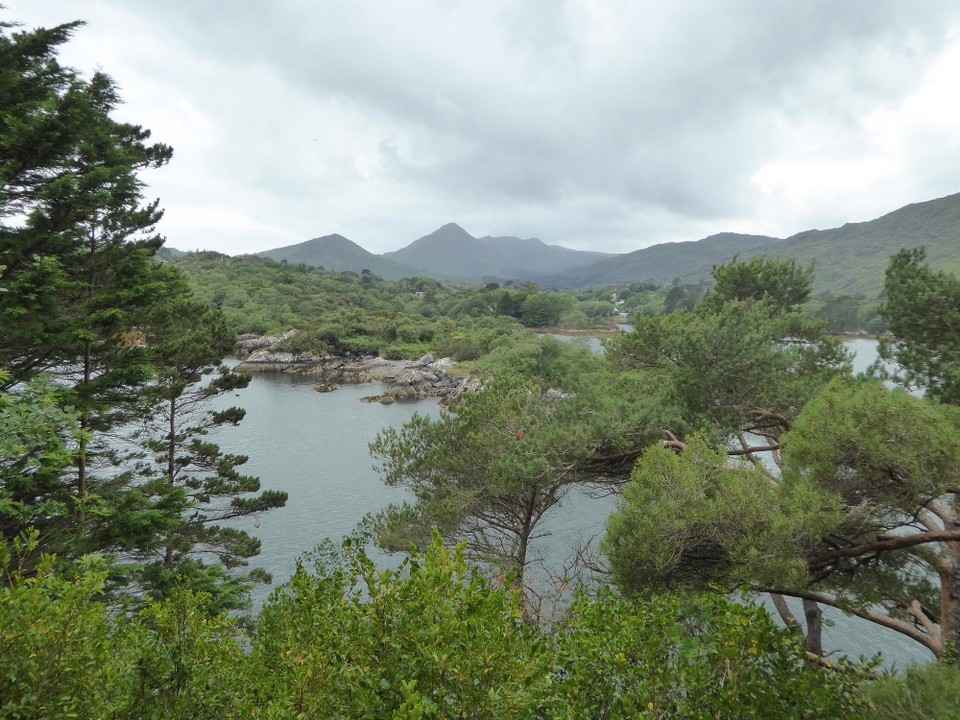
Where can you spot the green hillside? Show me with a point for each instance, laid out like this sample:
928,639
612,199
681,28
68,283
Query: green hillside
849,260
852,259
661,263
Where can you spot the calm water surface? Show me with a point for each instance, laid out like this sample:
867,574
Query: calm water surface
314,446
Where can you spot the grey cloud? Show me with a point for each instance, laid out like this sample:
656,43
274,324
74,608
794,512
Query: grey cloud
509,110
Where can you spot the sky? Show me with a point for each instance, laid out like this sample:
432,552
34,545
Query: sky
591,124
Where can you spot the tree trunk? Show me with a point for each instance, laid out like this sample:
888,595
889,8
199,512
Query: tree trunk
82,449
950,588
172,442
523,542
814,618
786,614
171,468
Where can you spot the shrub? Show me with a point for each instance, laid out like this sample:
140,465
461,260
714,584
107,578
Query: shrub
692,656
925,692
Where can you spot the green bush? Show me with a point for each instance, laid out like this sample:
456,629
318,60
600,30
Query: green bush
189,664
432,639
60,654
462,347
926,692
65,654
405,351
692,656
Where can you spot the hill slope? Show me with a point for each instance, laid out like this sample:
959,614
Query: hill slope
850,259
853,258
447,252
522,259
661,263
335,252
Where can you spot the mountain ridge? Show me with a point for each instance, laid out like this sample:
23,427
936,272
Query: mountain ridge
848,259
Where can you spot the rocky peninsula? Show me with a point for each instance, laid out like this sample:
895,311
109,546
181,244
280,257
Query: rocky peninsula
407,380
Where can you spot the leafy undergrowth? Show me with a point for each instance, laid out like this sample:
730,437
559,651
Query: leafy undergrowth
433,639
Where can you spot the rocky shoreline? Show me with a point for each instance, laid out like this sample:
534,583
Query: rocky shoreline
407,380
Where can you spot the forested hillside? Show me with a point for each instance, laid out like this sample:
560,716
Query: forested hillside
350,312
850,260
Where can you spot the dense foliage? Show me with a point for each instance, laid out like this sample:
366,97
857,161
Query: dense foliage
343,312
849,497
431,639
923,310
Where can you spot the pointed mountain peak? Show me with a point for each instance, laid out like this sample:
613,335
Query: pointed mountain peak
450,231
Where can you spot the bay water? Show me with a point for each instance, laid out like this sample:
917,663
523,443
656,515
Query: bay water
314,446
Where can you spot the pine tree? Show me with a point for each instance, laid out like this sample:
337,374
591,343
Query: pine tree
79,280
198,484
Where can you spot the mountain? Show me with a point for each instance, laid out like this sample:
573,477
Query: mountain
335,252
661,263
521,259
849,259
451,252
853,258
169,254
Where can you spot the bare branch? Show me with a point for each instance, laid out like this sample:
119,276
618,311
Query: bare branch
933,643
750,456
916,609
885,545
761,414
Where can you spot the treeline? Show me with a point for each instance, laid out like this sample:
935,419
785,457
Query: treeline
840,313
340,312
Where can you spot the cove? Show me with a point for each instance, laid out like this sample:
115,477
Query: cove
314,446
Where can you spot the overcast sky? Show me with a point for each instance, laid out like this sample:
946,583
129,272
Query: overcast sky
589,124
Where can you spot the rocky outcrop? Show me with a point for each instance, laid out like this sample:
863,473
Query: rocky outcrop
249,343
469,384
407,380
426,378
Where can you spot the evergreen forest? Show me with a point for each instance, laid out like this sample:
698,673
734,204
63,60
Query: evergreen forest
747,460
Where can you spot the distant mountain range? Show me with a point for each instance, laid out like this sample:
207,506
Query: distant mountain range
850,259
451,252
